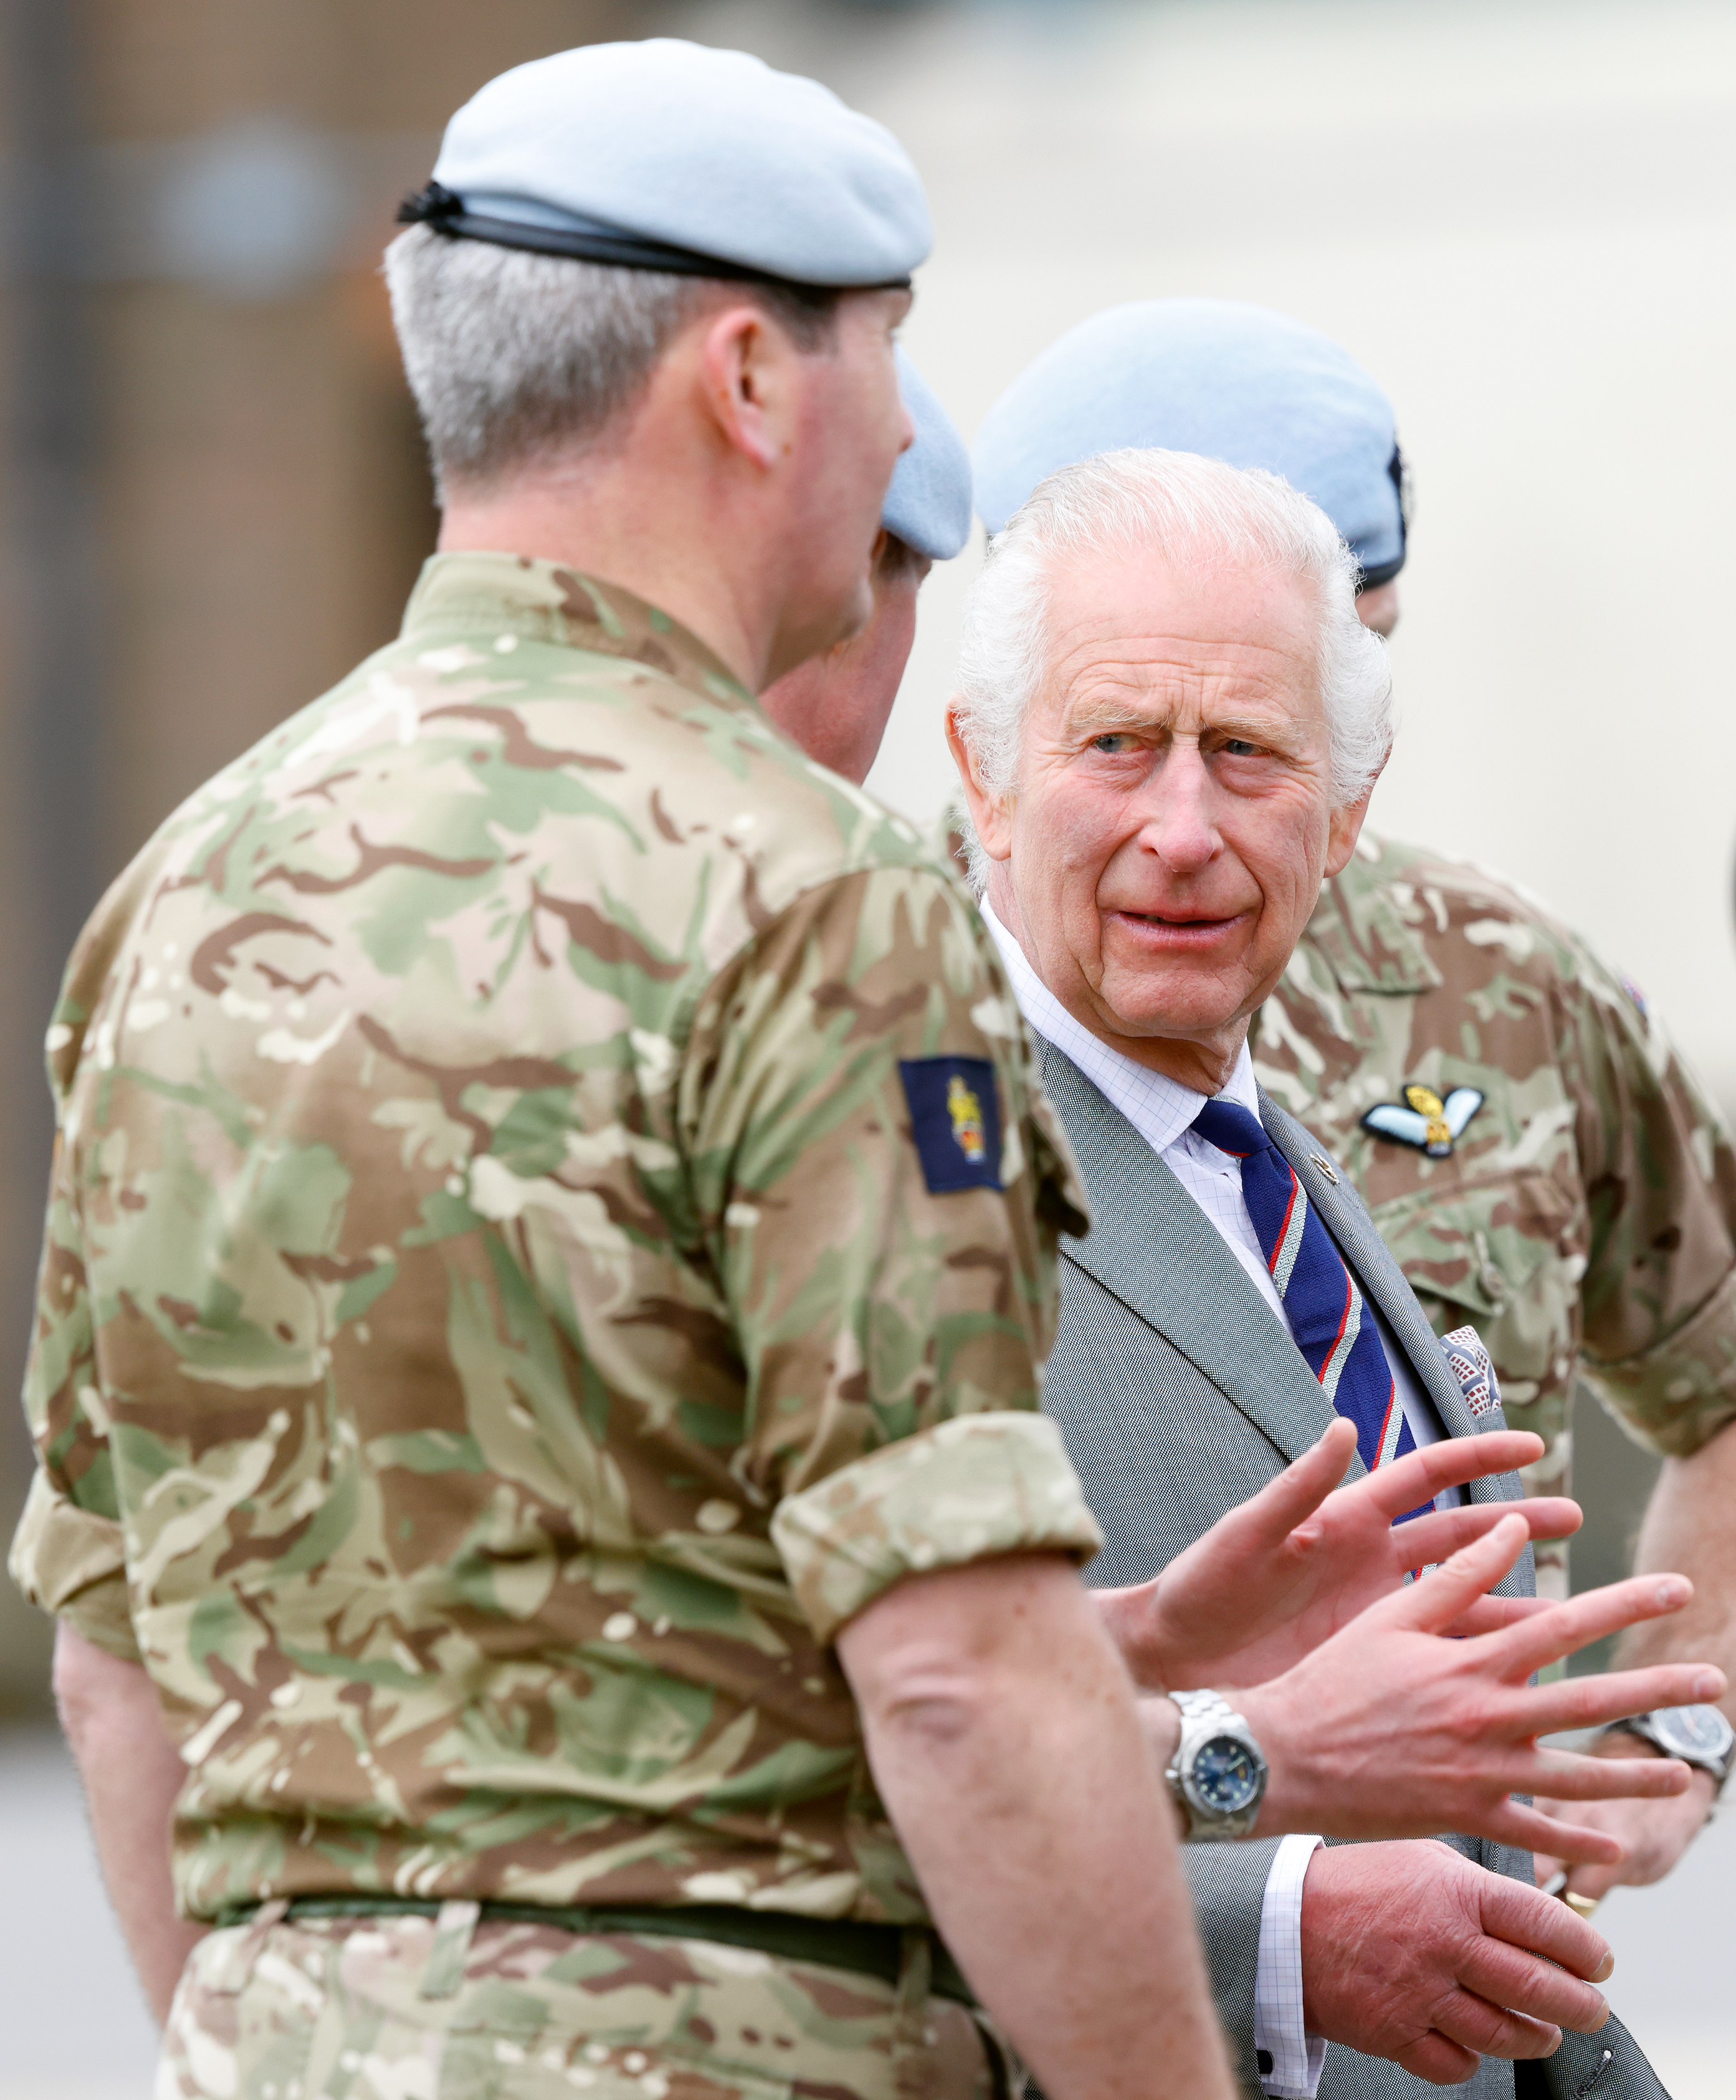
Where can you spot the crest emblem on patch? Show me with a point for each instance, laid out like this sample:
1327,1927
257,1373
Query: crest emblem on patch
967,1113
955,1120
1424,1120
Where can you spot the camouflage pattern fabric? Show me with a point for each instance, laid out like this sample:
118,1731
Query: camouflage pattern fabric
414,2009
496,1322
1581,1219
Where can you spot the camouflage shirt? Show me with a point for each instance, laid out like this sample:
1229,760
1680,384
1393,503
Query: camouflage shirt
551,1214
1579,1211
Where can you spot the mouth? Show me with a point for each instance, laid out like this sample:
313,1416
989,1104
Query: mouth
1181,929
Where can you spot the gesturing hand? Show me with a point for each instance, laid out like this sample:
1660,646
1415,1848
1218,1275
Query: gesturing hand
1387,1729
1290,1568
1410,1952
1653,1834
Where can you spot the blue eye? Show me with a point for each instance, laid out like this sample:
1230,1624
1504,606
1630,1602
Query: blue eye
1116,742
1236,747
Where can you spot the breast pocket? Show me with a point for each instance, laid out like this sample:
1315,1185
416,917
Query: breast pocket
1501,1252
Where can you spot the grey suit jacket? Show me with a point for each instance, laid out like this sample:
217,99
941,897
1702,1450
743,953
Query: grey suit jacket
1179,1396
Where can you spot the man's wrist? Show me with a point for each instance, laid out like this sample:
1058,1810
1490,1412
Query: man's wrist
1134,1623
1288,1804
1161,1720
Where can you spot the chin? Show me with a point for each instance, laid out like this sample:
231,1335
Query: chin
1174,1008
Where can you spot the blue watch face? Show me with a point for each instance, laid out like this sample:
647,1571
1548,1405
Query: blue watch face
1225,1775
1695,1729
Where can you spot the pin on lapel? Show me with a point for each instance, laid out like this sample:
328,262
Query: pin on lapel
1319,1159
1424,1120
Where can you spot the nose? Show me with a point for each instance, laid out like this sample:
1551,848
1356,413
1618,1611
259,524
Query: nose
1179,826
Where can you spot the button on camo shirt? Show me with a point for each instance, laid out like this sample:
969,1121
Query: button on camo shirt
1582,1218
496,1320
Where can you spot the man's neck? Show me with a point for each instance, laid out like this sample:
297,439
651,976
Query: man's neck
604,519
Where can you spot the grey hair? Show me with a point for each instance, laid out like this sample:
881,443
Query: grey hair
510,354
1188,511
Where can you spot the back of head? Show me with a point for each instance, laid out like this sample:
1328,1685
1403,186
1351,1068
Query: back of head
586,206
1237,383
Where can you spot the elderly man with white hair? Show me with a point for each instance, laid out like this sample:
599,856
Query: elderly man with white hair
1169,722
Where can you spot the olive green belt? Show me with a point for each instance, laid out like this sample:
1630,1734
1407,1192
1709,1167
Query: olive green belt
834,1942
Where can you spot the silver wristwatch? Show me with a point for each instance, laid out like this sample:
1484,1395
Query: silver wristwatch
1218,1773
1698,1735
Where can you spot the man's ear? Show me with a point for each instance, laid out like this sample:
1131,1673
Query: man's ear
990,814
745,376
1346,827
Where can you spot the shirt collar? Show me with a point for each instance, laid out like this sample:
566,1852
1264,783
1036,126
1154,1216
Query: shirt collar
511,598
1160,1109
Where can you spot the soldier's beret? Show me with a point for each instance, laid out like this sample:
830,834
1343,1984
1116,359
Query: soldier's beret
663,155
1238,383
928,503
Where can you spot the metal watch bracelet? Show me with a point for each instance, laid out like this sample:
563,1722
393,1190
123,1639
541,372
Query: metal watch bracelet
1218,1773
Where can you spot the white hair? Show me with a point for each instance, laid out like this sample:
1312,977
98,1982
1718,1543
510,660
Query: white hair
510,354
1189,513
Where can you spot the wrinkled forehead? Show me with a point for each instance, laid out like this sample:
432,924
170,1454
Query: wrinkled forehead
1134,635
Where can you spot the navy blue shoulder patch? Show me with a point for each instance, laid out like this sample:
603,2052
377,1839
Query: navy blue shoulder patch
955,1118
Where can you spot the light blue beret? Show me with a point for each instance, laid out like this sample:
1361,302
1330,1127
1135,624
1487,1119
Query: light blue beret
665,155
1238,383
928,503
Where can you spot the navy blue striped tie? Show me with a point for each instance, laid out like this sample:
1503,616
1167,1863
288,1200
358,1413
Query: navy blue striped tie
1333,1327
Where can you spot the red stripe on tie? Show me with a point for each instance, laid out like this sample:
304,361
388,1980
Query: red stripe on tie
1284,1230
1350,1299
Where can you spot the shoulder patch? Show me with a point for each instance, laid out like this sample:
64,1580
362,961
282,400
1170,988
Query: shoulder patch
955,1118
1426,1121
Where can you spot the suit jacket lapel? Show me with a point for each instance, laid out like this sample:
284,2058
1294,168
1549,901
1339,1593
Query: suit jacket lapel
1153,1247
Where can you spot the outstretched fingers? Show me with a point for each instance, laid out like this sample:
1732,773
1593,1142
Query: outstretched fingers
1589,1702
1488,1615
1426,1540
1420,1476
1565,1628
1570,1775
1530,1830
1433,1604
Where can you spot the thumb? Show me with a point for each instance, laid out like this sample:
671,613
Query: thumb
1430,1604
1265,1520
1306,1482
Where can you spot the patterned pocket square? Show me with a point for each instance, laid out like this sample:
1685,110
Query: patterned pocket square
1468,1362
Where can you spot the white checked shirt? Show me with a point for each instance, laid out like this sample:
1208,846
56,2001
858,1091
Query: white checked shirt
1162,1111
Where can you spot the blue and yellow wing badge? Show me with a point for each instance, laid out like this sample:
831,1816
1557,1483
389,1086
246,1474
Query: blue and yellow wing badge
1426,1121
955,1120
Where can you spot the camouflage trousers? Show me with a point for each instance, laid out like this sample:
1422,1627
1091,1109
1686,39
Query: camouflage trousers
420,2008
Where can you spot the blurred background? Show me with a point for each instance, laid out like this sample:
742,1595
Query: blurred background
1517,214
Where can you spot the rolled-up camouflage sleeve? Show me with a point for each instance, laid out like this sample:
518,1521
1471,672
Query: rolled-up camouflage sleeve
884,1237
1659,1290
68,1555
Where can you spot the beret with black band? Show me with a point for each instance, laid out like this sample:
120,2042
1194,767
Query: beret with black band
670,156
1238,383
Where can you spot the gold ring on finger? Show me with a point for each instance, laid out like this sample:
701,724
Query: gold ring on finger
1581,1906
